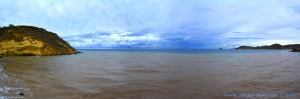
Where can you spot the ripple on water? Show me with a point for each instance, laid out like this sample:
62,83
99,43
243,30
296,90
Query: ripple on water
144,70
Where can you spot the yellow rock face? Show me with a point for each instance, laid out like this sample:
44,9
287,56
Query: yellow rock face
27,46
28,40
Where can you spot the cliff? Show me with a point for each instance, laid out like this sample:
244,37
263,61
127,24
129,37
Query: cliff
30,40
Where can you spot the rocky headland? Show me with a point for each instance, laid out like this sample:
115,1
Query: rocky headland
293,47
31,41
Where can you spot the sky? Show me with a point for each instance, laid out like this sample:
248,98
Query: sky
199,24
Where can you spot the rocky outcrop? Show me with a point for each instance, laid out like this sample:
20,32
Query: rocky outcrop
296,50
30,40
273,46
245,47
294,47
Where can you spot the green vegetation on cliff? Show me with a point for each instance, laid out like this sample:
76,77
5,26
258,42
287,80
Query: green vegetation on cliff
30,40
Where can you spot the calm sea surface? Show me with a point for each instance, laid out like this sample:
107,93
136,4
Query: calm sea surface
152,74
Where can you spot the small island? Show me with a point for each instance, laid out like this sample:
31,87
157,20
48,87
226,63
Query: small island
32,41
294,47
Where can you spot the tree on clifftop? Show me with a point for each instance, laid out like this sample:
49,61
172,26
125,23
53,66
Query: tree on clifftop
10,25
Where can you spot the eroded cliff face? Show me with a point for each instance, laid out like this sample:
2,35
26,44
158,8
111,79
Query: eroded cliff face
29,40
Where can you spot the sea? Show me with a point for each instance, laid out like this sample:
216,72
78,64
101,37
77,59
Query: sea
153,74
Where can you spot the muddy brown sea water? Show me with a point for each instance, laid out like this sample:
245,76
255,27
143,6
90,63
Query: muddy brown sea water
153,74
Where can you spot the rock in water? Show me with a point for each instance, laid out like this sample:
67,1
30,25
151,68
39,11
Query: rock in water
22,94
30,40
296,50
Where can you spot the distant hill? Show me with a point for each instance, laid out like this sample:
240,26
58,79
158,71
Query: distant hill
294,47
30,40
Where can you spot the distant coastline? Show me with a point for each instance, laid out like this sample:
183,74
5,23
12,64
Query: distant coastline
293,47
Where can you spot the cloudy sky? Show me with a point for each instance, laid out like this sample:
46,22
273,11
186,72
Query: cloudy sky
160,23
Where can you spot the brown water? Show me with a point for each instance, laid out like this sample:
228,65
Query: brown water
147,74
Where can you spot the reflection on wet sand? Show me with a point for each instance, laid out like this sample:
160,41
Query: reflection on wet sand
11,87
